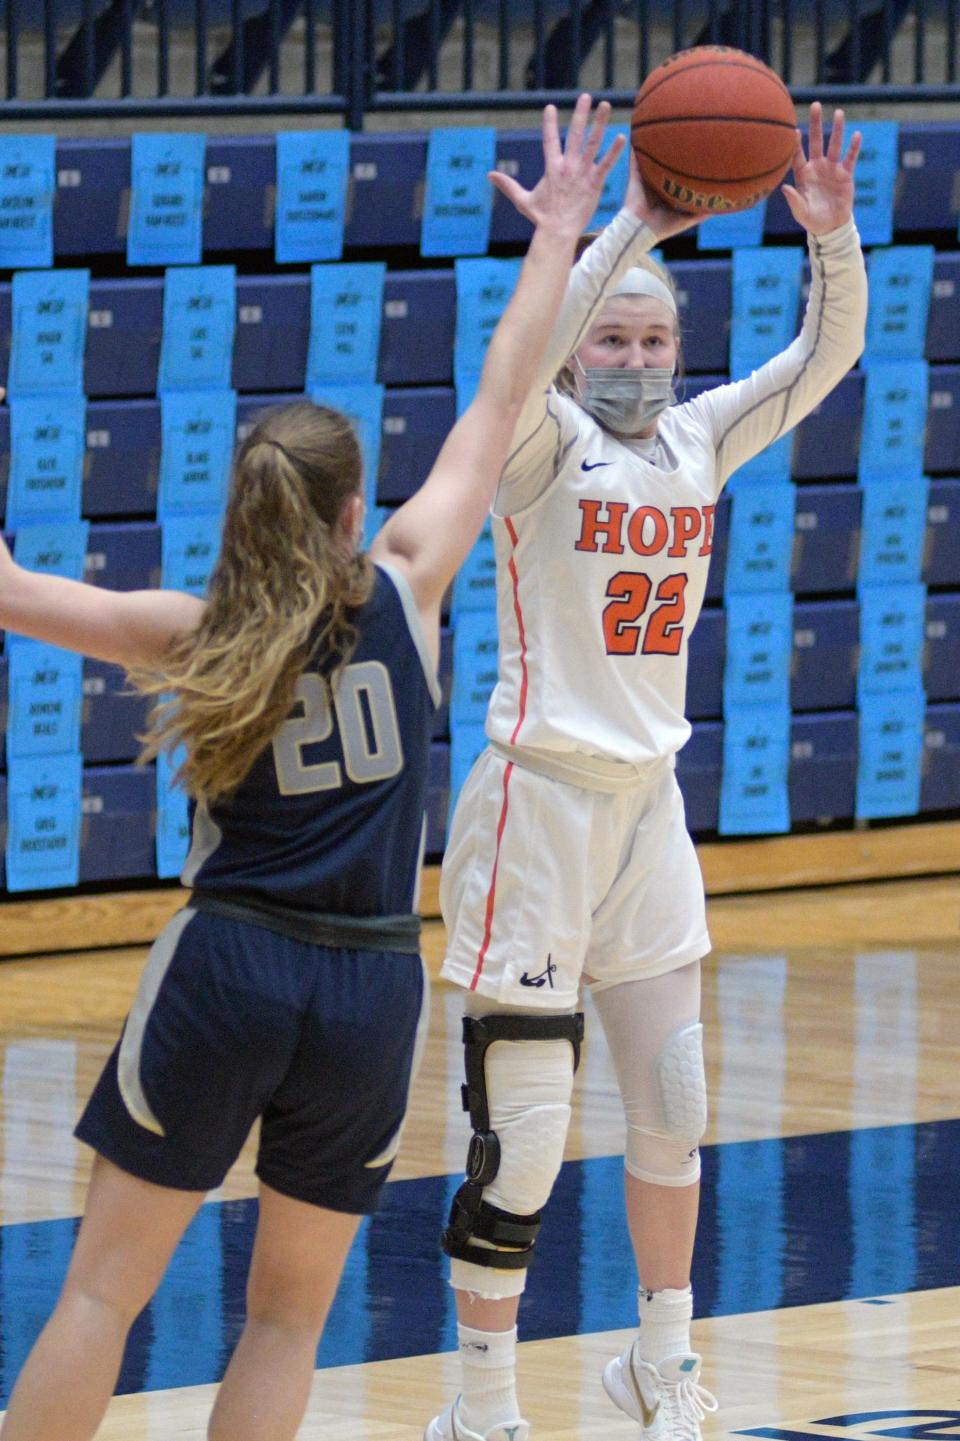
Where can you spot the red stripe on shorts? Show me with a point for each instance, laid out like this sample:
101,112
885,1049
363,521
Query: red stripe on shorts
492,892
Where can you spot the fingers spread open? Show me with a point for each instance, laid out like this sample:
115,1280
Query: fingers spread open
836,137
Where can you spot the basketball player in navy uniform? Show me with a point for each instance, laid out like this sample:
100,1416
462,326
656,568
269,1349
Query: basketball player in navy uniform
301,695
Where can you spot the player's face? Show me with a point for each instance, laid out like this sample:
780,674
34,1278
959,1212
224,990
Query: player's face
631,331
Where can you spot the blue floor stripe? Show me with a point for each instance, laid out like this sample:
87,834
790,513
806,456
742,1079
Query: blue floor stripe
827,1217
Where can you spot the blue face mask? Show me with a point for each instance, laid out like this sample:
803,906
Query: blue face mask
626,401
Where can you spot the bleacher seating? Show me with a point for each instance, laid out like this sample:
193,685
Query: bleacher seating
122,462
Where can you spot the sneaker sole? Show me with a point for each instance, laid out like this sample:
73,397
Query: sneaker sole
621,1396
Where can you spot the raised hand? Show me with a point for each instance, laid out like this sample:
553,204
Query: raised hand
566,195
664,220
821,198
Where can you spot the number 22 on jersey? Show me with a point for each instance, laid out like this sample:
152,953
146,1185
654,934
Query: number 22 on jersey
363,714
629,596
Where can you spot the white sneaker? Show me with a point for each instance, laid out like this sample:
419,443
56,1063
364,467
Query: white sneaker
448,1427
667,1401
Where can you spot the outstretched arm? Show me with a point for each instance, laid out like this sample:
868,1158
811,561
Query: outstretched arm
750,414
429,537
130,628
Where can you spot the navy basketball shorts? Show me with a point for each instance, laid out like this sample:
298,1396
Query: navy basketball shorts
233,1021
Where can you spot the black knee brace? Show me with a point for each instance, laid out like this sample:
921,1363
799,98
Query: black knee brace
471,1218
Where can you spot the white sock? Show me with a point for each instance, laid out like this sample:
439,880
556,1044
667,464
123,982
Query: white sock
488,1364
665,1318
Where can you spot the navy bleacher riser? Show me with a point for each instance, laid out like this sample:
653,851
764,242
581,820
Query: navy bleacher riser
416,346
386,191
826,641
823,767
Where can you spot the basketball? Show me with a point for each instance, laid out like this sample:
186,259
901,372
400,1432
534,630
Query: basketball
713,130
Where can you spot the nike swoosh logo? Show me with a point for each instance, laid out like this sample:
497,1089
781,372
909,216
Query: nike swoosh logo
585,464
648,1413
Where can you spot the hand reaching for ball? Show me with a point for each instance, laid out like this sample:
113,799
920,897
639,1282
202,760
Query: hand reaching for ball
821,197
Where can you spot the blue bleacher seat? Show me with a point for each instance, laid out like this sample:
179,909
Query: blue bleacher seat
827,535
118,823
823,767
698,774
940,786
113,715
705,665
942,660
124,556
943,321
942,551
438,797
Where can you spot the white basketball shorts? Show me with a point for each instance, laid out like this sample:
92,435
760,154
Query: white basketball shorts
545,884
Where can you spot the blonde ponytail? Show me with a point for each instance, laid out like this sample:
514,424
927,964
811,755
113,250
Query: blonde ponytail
284,592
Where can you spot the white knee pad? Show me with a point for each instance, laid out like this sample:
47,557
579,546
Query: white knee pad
663,1139
528,1086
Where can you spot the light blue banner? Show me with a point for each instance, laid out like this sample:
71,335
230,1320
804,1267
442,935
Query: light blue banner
893,531
771,466
475,584
199,321
484,288
754,787
760,549
173,818
189,546
166,199
199,432
730,232
43,822
465,384
766,302
892,623
28,185
49,332
876,179
54,547
47,448
615,185
475,651
45,699
346,313
901,283
313,172
759,650
458,200
890,755
374,517
894,420
363,405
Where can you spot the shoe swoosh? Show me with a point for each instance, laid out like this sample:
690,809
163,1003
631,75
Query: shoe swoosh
649,1413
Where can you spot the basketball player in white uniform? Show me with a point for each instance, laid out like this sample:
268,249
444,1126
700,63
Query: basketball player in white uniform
569,861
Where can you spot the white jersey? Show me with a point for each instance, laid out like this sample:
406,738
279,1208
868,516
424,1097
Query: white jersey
603,546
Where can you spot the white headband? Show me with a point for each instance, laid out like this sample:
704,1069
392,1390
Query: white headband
642,282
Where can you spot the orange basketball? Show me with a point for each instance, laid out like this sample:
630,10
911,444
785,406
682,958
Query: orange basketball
713,130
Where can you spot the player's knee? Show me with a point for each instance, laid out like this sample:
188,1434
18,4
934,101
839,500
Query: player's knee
663,1142
519,1079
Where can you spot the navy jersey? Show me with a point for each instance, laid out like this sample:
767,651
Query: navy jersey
330,816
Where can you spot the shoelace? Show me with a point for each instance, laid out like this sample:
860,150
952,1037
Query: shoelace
687,1403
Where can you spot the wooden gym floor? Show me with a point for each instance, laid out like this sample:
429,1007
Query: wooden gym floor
827,1276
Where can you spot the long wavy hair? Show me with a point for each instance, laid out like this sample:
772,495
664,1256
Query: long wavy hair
284,591
566,380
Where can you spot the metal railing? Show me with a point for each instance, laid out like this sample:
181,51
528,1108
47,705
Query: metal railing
351,57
